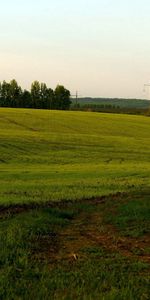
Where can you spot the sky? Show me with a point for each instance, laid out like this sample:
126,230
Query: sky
101,48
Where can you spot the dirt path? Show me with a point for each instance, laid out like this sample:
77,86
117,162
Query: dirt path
90,231
87,229
13,209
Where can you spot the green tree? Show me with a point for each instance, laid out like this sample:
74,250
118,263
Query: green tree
50,99
40,96
14,93
26,100
62,98
35,94
5,94
46,96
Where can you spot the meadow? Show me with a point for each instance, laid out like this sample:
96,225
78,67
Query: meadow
53,155
74,205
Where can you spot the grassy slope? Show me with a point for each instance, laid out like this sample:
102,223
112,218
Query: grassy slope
52,155
96,249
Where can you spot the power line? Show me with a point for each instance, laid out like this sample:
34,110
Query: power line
76,96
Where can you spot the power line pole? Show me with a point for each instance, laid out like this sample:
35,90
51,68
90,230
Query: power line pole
76,97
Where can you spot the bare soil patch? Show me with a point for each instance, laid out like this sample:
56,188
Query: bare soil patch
87,229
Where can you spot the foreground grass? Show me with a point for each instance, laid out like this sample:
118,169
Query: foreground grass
75,252
52,155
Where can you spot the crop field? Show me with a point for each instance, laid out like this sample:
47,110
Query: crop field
74,205
50,155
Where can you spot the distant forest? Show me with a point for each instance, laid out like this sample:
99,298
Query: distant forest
39,96
111,102
112,105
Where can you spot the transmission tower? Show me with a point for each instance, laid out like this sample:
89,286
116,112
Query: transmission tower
76,97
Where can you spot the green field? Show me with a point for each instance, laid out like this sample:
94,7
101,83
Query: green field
51,155
53,247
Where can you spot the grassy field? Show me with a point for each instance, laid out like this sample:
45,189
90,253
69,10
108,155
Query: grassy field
51,155
53,247
98,249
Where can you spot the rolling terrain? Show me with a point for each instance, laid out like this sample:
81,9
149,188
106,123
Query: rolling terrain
52,155
74,205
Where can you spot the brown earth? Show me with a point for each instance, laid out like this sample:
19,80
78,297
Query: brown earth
86,230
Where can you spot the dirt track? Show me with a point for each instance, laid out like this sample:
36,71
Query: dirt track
87,229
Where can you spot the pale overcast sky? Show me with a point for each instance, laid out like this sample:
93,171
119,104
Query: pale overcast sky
99,47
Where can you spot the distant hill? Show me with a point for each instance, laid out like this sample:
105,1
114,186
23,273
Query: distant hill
118,102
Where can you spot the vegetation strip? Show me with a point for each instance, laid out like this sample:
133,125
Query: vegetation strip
20,208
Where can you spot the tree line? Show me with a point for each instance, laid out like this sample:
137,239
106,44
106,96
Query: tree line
39,96
108,108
